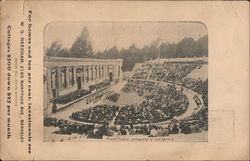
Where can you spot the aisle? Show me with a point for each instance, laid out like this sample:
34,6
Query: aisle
112,123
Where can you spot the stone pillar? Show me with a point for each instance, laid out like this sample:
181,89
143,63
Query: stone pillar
105,71
99,71
70,76
67,77
96,72
53,78
119,71
87,73
83,74
59,78
102,71
48,78
74,75
114,71
64,77
92,72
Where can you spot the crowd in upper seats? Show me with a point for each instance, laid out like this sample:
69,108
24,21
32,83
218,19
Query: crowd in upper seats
142,72
178,70
102,114
197,85
172,71
175,72
167,71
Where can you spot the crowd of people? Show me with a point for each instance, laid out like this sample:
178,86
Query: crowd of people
70,96
167,71
101,114
174,72
113,97
161,103
197,85
193,124
177,71
79,93
154,116
99,85
142,72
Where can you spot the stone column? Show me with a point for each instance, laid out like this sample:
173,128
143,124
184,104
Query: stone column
96,72
87,73
114,71
105,71
48,78
117,71
67,77
99,72
120,71
59,78
74,75
92,72
53,78
102,71
83,75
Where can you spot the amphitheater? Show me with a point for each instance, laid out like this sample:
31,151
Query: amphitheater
87,99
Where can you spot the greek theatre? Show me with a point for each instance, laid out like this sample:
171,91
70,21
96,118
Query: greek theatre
64,75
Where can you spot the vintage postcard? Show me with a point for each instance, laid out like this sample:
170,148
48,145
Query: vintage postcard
124,80
148,81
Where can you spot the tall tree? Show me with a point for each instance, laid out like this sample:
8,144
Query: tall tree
56,50
167,50
202,46
82,48
186,48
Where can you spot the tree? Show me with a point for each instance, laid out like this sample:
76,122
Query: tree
82,48
56,50
167,50
186,48
202,46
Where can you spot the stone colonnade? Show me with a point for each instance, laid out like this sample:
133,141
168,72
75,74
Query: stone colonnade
61,77
64,75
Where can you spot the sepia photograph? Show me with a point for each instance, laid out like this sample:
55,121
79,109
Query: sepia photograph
125,81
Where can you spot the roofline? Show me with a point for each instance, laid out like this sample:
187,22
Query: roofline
63,59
